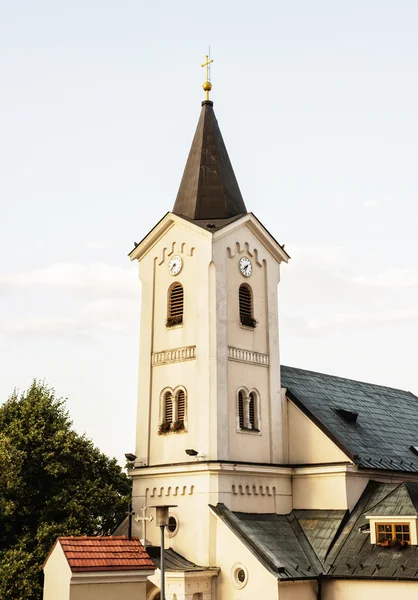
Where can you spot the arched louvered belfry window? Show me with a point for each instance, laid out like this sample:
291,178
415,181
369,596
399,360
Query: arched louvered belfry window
168,407
246,305
181,406
175,305
241,409
252,411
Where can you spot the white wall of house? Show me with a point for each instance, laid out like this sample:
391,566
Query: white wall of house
347,589
231,554
109,591
57,575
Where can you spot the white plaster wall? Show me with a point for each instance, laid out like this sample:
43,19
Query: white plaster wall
194,246
367,590
320,491
211,278
229,551
307,443
193,491
230,245
57,576
355,484
298,590
109,591
245,445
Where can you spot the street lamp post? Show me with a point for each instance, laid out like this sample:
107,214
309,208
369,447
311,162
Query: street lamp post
162,522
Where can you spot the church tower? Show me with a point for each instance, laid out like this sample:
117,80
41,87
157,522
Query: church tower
209,402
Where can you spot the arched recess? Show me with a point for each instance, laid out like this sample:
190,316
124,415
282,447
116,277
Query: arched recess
175,304
180,413
246,306
242,408
254,410
166,410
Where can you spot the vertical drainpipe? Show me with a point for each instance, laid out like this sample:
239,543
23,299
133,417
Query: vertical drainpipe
319,592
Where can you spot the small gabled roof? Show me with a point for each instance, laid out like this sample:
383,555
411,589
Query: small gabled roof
402,501
320,527
85,554
174,561
276,540
373,424
353,556
209,188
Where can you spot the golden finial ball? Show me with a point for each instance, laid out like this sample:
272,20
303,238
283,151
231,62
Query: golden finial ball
207,86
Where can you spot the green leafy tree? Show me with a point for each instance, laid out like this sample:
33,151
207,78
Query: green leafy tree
53,482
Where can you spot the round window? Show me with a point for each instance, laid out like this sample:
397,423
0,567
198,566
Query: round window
172,526
239,575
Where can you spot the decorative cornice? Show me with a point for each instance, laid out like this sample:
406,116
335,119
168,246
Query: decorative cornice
248,356
138,576
174,355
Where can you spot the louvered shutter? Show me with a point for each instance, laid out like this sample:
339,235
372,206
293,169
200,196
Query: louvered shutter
176,303
168,408
241,409
181,405
245,303
252,410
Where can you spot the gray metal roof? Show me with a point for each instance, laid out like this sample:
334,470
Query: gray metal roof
307,544
208,189
276,540
380,436
353,555
403,500
173,560
320,527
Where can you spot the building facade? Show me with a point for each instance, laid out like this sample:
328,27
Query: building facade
285,482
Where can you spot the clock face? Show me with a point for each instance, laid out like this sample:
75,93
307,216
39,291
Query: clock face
245,266
175,265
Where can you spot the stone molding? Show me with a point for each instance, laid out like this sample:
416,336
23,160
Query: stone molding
254,490
174,355
248,356
182,490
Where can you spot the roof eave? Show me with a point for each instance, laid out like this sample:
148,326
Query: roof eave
157,232
265,237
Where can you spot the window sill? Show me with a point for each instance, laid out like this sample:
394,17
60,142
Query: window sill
248,327
248,430
170,327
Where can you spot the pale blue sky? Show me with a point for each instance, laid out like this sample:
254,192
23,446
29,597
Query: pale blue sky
317,102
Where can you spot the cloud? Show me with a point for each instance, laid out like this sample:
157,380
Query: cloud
324,290
95,245
371,204
97,279
391,278
67,299
86,319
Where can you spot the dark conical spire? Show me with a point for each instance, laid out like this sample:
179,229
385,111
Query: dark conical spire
208,189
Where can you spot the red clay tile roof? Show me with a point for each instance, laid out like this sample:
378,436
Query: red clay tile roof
105,554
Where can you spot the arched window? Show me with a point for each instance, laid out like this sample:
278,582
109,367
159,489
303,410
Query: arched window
252,411
181,406
175,305
173,410
168,407
248,418
241,409
246,305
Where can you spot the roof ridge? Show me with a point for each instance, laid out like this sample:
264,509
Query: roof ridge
366,383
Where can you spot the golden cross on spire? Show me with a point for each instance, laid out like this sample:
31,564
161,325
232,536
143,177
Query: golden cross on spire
207,86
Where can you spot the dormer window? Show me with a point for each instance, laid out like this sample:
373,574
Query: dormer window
389,533
393,521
